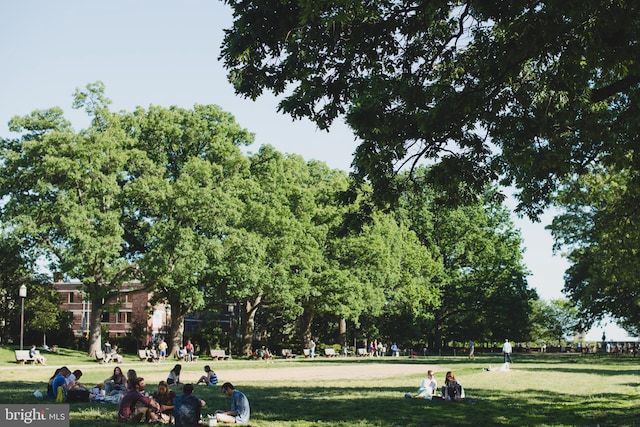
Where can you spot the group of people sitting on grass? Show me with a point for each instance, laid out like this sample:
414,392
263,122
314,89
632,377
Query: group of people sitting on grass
63,382
263,353
452,390
164,406
111,353
209,377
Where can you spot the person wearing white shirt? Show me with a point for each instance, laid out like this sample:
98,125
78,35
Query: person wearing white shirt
506,351
428,387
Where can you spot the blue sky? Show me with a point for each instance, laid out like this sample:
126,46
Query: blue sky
165,53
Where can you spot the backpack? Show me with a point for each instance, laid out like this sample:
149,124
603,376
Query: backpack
77,395
453,389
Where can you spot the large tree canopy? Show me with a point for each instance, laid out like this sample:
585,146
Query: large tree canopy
526,91
600,233
65,192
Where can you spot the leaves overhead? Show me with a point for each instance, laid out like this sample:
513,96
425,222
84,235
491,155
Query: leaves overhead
521,91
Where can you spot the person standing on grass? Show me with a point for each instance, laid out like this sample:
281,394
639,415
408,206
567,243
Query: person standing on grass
189,349
395,351
506,351
472,349
312,349
162,349
240,411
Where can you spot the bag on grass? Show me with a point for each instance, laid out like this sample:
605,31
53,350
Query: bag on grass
77,396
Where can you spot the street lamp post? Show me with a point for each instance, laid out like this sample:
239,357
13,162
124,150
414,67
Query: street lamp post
231,311
23,295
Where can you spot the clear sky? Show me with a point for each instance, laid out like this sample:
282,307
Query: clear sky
165,53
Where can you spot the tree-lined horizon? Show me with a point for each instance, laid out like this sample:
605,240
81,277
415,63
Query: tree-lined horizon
543,96
165,196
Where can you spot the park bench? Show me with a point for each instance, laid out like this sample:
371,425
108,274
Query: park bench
362,352
330,352
22,357
218,355
144,356
287,353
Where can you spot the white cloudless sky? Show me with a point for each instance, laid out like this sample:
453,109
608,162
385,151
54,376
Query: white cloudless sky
161,52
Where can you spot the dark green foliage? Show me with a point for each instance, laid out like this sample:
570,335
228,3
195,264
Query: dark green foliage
523,92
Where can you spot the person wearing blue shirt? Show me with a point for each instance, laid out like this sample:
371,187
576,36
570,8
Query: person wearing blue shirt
60,380
187,408
240,411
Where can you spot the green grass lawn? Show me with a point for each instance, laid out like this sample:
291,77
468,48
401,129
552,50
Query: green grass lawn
540,390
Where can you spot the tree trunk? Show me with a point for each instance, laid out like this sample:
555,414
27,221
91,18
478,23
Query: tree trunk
95,325
307,321
176,332
251,307
342,330
438,334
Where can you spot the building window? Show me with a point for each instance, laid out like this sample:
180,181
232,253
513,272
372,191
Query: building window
124,317
105,317
123,298
71,297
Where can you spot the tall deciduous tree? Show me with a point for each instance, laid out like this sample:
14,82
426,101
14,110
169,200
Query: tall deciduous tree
554,321
178,227
64,193
484,292
265,257
553,85
42,305
599,232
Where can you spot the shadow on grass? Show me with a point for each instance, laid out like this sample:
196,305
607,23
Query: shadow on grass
353,406
339,405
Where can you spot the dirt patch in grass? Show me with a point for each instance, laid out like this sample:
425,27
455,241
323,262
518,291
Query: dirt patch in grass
277,372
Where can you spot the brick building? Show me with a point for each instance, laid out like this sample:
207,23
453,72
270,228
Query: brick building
132,307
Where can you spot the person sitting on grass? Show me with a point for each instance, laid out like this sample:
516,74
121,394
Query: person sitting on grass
56,380
131,379
59,385
165,398
174,375
187,408
428,387
240,411
116,383
209,378
452,389
135,406
73,381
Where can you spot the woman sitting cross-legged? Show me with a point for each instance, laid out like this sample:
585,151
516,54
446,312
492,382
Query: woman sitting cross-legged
165,398
452,389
